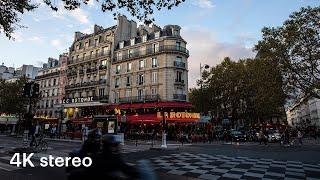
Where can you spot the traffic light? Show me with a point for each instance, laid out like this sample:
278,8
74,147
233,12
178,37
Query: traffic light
26,90
35,90
31,89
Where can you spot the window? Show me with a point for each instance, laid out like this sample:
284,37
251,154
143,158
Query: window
132,41
116,97
86,44
179,76
77,57
130,53
141,64
157,35
140,94
179,59
128,67
119,56
105,50
128,93
178,45
128,80
96,42
117,83
154,77
101,92
104,63
144,38
175,32
140,79
121,44
118,68
154,62
80,94
155,47
97,52
154,91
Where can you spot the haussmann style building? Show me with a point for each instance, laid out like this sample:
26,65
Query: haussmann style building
139,73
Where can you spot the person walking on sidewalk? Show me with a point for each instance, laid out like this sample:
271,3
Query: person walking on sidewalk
300,136
84,133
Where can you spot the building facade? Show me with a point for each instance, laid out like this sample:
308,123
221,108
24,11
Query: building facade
305,112
138,70
49,79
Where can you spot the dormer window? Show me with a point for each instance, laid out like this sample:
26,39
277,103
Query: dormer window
157,35
132,41
121,44
144,38
175,32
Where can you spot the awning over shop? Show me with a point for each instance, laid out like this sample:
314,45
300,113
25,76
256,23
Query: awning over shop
156,118
46,120
8,120
83,120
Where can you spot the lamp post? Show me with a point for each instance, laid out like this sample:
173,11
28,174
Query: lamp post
205,66
202,68
164,135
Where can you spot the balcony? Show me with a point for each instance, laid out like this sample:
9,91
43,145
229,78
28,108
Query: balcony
102,99
179,82
89,58
48,75
82,85
137,99
91,70
102,67
151,51
180,97
179,64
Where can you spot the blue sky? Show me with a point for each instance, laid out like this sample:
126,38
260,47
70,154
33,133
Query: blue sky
213,29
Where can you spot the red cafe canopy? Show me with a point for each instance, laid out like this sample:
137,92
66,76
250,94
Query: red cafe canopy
153,118
82,120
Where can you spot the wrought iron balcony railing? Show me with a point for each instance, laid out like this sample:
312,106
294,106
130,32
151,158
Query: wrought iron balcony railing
136,99
150,51
180,97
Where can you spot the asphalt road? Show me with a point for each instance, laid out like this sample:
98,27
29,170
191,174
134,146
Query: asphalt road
304,154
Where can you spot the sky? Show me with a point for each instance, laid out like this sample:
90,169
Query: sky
213,29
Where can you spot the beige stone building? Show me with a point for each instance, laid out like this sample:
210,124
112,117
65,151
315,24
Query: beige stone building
125,63
87,69
48,79
149,64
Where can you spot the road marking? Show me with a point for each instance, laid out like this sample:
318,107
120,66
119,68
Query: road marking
8,167
6,158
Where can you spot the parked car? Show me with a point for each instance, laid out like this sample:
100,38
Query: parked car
274,136
237,136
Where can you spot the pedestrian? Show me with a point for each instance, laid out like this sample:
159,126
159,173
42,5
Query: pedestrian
300,136
84,133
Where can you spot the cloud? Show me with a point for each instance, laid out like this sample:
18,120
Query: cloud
205,49
203,3
55,42
80,15
35,39
17,36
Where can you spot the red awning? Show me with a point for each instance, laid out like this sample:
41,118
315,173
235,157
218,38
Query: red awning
152,118
83,120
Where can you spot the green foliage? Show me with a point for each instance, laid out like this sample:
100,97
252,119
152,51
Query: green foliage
142,10
295,48
11,99
249,89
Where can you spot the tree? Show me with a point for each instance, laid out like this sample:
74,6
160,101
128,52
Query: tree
249,89
142,10
295,47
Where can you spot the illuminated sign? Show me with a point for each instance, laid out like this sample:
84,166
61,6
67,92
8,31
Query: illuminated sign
178,115
77,100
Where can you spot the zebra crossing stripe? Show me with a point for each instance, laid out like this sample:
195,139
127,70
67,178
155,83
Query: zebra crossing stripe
8,167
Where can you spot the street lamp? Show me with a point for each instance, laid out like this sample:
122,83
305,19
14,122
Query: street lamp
202,68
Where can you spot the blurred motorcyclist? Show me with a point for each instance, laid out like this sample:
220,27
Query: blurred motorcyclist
106,160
